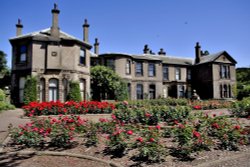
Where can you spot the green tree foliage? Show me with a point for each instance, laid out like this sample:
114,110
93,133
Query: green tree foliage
4,71
243,82
106,84
30,90
74,92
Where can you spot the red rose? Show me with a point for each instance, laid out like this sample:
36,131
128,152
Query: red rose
151,139
130,132
158,127
215,125
196,134
140,139
237,127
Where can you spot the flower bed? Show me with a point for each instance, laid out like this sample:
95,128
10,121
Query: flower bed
70,107
209,104
123,136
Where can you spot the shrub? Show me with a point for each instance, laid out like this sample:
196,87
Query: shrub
30,90
74,92
2,95
241,108
70,107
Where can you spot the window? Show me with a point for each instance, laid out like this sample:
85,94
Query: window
82,57
129,90
139,69
110,63
165,72
22,54
82,88
181,91
188,74
178,73
165,92
189,92
224,71
21,88
139,91
42,90
152,91
151,69
53,89
225,91
65,89
128,67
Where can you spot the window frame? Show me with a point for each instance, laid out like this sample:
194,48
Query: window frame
165,72
110,65
151,70
139,92
138,71
21,53
177,73
82,57
128,67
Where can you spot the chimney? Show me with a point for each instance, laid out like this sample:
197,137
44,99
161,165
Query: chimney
55,29
96,46
197,53
161,52
19,28
85,31
146,49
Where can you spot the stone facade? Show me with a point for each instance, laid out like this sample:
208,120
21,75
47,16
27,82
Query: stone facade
211,75
56,58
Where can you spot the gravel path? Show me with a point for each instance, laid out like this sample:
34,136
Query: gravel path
10,117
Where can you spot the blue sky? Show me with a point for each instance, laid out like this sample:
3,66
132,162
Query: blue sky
126,26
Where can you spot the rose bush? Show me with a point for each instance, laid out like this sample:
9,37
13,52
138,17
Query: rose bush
70,107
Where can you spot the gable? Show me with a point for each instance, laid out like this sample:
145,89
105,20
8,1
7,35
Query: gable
223,59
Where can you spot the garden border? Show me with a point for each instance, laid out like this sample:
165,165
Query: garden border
54,153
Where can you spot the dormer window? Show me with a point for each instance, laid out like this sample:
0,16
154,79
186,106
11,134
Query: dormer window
82,57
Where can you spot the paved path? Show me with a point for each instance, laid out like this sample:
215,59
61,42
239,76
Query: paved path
10,117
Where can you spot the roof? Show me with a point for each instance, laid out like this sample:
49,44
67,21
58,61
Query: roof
166,59
44,35
212,57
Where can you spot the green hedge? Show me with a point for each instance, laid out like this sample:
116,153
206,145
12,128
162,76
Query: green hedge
30,90
74,92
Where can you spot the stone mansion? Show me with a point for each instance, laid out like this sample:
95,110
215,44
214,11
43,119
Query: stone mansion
55,58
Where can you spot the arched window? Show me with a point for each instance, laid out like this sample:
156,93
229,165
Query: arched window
82,88
42,89
21,88
65,89
53,89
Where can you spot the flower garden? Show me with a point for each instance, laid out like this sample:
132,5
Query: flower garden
146,131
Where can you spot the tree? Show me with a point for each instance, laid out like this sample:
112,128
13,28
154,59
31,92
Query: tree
30,90
243,82
74,92
4,71
106,84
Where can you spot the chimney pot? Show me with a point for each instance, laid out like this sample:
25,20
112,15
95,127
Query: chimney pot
161,52
19,28
198,52
55,29
96,46
146,49
86,31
